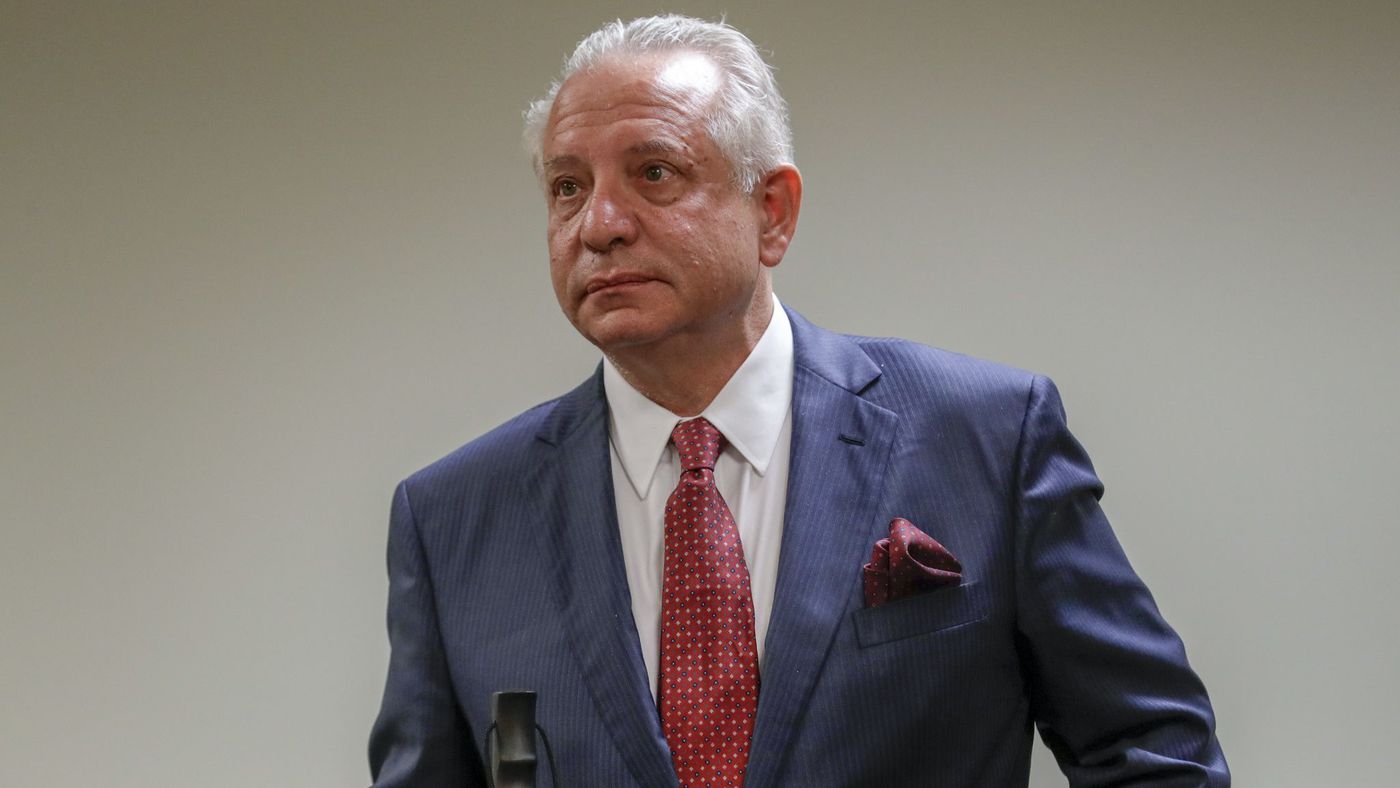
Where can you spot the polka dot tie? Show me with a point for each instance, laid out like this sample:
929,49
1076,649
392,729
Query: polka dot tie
708,690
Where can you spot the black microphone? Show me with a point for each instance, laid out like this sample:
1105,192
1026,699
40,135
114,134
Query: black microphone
513,760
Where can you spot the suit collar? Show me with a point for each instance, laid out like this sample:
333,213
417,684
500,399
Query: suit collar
574,409
832,357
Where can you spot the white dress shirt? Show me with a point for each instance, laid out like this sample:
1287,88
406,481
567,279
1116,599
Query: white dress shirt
754,412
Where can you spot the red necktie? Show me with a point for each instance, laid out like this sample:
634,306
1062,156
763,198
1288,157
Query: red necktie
708,690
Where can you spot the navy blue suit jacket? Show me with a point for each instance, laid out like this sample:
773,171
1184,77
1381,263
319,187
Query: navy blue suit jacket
506,572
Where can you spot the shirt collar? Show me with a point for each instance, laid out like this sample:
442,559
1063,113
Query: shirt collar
750,410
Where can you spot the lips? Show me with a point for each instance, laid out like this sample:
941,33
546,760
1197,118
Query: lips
614,280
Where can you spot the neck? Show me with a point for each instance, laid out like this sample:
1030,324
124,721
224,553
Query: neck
684,373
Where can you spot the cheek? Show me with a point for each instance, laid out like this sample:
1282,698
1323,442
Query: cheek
559,269
560,236
560,263
735,241
732,216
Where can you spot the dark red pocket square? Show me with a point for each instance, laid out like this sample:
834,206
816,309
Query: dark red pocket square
909,562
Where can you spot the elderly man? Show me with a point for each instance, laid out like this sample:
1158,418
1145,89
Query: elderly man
748,550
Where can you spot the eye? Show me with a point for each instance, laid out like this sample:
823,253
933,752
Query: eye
654,173
566,188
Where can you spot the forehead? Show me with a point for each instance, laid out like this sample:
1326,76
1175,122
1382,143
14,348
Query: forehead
663,93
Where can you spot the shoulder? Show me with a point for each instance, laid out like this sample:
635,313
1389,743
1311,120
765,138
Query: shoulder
936,393
972,413
496,461
920,378
908,362
494,451
893,372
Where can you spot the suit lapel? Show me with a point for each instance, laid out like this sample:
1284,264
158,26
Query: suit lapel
840,451
585,560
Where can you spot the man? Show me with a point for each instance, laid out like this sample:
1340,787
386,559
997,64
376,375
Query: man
674,554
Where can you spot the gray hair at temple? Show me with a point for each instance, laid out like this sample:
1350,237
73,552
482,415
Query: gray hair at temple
748,120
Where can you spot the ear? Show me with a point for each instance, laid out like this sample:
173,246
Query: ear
779,197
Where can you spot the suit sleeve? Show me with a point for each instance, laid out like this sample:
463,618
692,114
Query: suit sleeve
1109,684
420,738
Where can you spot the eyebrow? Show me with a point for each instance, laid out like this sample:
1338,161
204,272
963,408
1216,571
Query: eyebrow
655,146
644,148
555,162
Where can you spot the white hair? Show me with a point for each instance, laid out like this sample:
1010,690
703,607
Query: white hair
747,121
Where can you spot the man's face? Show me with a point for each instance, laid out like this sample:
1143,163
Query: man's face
649,239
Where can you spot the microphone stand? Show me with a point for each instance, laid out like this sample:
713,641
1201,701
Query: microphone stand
513,761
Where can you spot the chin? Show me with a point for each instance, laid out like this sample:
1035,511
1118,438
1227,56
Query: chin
617,331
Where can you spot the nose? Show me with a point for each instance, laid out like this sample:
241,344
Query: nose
607,220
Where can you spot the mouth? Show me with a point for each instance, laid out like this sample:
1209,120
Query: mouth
615,282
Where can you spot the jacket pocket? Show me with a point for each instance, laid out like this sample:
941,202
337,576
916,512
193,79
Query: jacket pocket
922,614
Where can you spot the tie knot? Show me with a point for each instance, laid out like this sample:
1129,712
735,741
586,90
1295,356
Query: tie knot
698,443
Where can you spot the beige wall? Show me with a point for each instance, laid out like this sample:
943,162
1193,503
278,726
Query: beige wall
260,260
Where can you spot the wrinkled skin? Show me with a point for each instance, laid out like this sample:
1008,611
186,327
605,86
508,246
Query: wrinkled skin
655,255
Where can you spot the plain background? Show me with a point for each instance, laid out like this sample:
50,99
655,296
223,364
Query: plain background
263,259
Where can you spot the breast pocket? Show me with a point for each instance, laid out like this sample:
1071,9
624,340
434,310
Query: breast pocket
922,614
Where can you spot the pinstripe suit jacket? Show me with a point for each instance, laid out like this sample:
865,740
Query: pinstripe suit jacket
505,571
